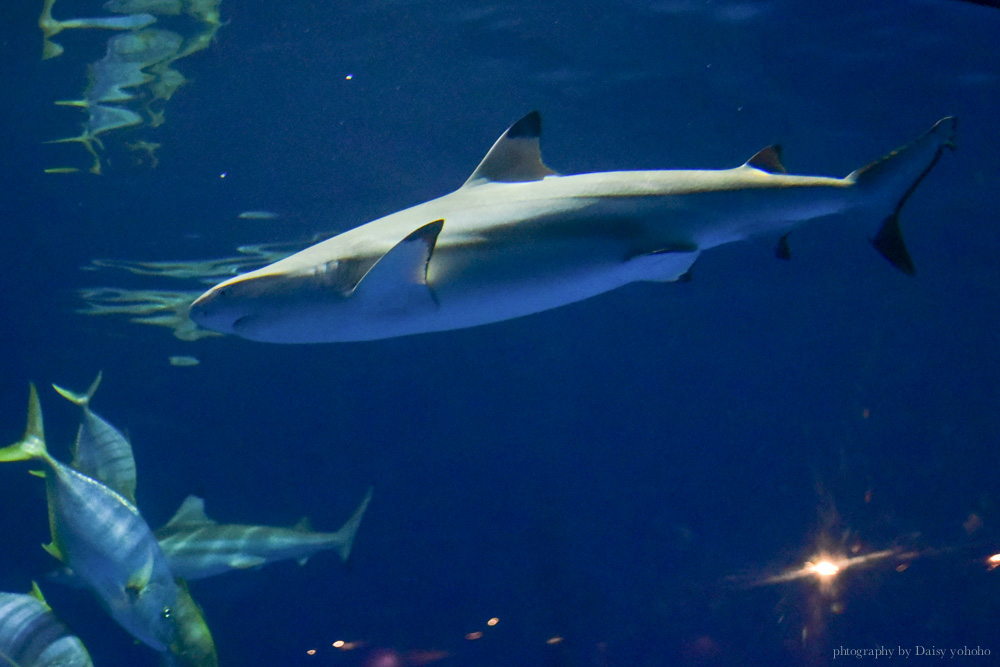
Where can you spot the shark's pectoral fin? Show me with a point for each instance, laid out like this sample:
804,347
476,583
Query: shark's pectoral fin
515,157
246,562
398,280
665,265
889,242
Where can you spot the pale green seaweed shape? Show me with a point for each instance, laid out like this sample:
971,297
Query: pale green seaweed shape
207,271
121,67
169,308
158,7
139,59
157,307
52,27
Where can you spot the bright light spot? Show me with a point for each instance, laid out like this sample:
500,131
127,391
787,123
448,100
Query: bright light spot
474,635
824,568
311,651
349,77
493,621
339,643
222,175
551,641
993,561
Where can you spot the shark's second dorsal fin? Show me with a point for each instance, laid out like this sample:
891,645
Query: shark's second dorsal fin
516,156
768,159
190,513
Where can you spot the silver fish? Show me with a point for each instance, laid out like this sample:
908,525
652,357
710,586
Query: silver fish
101,451
32,636
102,537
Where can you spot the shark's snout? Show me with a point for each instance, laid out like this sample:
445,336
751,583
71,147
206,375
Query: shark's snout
211,312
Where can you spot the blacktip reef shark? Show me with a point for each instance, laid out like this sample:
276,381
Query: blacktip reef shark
517,239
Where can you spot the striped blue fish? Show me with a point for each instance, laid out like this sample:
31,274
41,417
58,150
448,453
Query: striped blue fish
101,451
198,547
32,636
102,537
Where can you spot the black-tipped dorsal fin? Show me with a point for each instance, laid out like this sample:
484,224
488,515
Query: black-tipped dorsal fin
516,156
768,159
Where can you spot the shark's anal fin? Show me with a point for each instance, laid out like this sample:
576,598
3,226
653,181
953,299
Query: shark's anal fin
398,280
768,159
246,562
889,242
516,156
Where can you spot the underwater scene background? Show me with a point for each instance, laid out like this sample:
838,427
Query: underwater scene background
635,479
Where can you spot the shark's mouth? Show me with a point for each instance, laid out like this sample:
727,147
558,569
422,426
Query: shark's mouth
243,323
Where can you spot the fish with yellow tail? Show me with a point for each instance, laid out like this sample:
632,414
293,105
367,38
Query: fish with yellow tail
102,537
198,547
32,636
193,645
101,451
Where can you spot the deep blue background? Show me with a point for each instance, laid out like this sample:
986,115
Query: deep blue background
615,472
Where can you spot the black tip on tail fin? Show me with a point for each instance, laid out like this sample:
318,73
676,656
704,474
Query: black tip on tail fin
889,242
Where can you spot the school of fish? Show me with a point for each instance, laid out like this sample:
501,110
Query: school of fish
139,576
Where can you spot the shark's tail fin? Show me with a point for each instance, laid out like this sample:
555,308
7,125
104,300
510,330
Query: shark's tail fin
890,180
32,445
83,400
347,532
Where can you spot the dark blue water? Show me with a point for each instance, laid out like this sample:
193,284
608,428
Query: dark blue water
623,473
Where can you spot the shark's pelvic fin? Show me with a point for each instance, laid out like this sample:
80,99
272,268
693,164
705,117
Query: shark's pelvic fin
768,159
398,280
782,251
515,157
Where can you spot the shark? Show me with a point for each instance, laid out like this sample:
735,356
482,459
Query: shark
518,238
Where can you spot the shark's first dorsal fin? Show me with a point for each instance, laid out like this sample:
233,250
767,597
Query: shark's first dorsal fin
768,159
190,513
515,157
